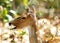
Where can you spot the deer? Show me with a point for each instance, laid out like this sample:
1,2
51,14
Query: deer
28,20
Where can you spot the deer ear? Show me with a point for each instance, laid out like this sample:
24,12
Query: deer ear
31,16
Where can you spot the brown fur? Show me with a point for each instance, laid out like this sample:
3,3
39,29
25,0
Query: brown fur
54,41
19,22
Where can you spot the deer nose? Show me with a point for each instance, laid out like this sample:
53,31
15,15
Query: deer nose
9,23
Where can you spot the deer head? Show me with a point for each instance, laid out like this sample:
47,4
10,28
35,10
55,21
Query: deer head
26,18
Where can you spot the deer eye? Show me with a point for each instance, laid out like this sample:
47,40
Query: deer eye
23,17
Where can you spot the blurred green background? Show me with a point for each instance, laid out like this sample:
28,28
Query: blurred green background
10,9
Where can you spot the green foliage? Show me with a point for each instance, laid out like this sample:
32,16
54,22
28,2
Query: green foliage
17,2
33,2
53,3
39,14
23,2
22,34
5,11
21,5
6,3
12,41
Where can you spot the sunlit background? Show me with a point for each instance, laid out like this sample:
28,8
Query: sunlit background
18,19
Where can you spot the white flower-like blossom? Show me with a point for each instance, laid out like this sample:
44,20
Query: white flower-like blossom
53,30
40,32
6,36
43,21
5,42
